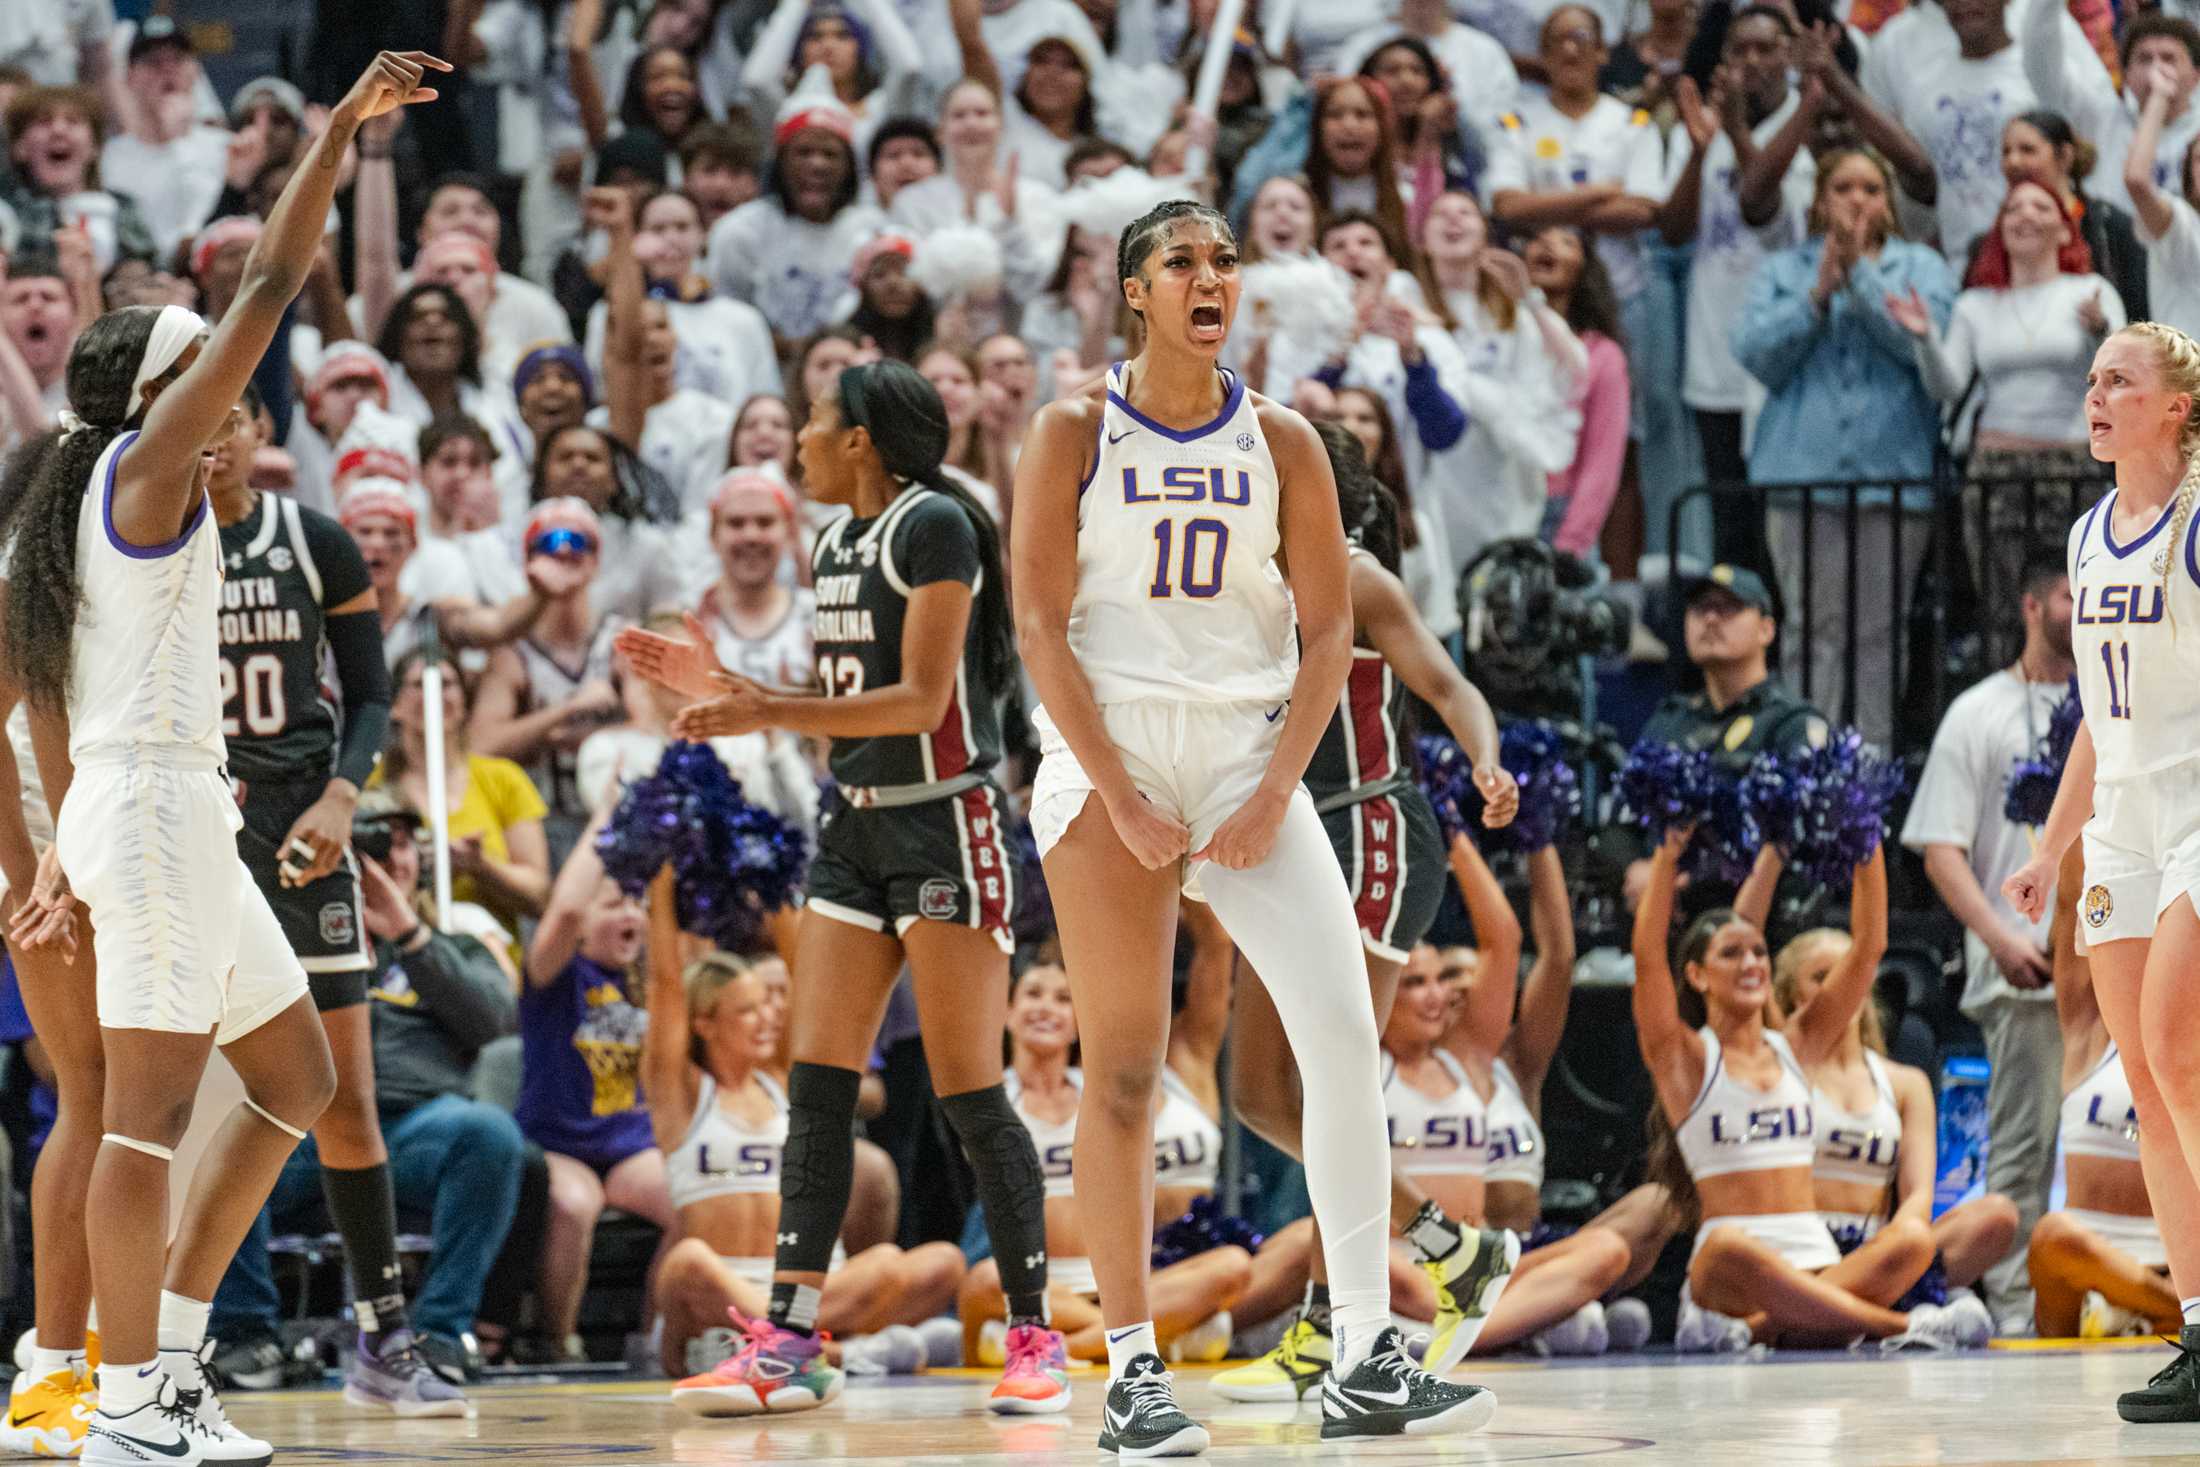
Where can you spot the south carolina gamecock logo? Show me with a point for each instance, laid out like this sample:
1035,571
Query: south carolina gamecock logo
2098,907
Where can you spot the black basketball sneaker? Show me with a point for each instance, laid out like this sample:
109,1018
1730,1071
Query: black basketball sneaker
1141,1417
2174,1393
1388,1395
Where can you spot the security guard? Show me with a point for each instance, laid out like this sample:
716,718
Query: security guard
1743,710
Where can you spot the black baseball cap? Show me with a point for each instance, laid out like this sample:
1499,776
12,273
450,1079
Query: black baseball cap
156,31
1738,581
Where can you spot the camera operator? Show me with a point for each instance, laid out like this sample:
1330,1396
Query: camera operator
435,999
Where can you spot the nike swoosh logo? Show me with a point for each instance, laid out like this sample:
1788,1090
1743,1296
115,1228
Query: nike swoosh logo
21,1421
1119,437
1388,1398
1117,1420
1123,1334
1278,713
182,1448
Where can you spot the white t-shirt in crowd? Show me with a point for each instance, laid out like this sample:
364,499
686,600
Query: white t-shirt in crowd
1989,727
2029,352
2078,86
2173,269
725,348
175,184
1322,27
46,37
685,438
1012,30
1956,113
1480,69
1727,254
1542,150
793,270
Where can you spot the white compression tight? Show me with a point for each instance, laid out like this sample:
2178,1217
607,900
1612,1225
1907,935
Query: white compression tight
1292,918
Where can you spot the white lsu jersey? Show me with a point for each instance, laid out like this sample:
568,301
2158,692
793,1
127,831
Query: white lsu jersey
2135,631
145,670
1179,596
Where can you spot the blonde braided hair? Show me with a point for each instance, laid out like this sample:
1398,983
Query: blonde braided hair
2177,357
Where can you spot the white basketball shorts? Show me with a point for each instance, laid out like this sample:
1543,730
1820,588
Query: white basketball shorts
2142,852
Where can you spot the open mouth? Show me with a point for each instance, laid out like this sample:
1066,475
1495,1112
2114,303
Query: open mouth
1207,320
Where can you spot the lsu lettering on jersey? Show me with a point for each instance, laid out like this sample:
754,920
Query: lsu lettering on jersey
2135,631
1178,592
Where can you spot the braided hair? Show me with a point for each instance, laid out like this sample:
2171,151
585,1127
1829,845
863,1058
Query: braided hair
1370,513
2177,356
907,423
42,495
1149,229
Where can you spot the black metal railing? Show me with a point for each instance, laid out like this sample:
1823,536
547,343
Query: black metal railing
1954,617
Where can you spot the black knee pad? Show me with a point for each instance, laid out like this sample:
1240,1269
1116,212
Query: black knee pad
1010,1185
818,1164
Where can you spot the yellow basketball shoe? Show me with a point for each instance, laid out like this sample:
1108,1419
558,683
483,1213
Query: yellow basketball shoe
47,1417
1468,1282
1286,1373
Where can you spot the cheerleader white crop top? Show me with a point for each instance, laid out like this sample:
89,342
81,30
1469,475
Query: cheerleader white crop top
1861,1146
1436,1136
1733,1128
1516,1141
2097,1116
720,1156
1187,1146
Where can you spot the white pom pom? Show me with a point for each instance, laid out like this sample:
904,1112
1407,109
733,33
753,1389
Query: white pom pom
1106,206
957,261
1304,300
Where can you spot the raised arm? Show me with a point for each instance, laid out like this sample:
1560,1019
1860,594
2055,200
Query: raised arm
1550,987
1672,1051
1387,618
1485,1019
965,16
625,378
1817,1029
771,54
374,224
2155,211
157,476
558,934
668,1073
581,26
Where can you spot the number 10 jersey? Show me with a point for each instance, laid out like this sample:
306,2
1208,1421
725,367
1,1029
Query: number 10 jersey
1179,596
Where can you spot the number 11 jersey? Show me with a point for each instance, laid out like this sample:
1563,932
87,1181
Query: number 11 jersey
1179,595
2135,632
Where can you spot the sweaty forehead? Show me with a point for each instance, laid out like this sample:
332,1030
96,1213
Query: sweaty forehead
1195,231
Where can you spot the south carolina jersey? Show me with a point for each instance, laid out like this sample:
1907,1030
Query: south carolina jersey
1859,1146
2098,1118
2135,631
723,1156
286,565
1178,592
864,571
1738,1128
1358,757
143,674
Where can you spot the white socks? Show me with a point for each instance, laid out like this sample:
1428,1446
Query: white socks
183,1322
124,1388
1127,1344
45,1362
1292,917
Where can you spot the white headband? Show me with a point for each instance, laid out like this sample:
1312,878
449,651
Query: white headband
174,329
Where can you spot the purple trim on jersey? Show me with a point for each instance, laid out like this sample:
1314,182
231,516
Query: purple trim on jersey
1230,401
1099,440
2108,529
2192,561
107,515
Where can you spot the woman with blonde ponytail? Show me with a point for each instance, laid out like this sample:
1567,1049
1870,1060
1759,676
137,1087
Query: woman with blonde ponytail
2132,785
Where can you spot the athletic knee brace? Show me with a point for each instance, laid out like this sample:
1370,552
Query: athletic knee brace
273,1119
143,1148
818,1165
1010,1186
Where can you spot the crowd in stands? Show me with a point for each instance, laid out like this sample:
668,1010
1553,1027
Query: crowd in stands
1552,265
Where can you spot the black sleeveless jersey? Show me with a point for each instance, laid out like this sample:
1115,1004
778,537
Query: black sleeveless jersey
864,571
1360,748
283,566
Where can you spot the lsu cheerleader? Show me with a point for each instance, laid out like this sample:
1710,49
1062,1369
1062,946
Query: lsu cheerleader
1197,1300
1739,1137
1877,1131
1393,856
2099,1266
721,1120
2132,785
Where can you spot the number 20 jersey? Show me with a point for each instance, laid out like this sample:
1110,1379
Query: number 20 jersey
2135,633
1178,592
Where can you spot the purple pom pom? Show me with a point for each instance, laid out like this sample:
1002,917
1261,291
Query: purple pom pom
1550,791
1447,777
1825,809
733,863
1664,787
2034,779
